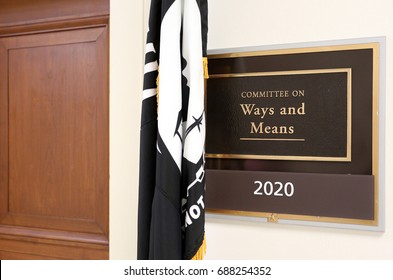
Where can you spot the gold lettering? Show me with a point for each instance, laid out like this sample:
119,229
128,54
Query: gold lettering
293,111
261,129
247,108
271,93
255,129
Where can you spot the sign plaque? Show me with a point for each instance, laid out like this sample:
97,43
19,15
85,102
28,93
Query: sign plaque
292,115
292,133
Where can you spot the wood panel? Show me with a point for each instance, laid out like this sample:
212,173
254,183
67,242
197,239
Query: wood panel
28,12
32,243
54,144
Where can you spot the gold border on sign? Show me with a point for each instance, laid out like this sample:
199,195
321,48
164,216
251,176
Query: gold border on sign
371,45
346,158
276,217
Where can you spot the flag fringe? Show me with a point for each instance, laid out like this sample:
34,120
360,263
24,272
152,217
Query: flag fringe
157,88
205,68
201,251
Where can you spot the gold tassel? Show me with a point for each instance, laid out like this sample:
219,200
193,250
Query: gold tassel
157,83
201,251
205,68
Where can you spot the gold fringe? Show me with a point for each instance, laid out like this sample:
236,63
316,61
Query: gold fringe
205,68
157,83
201,252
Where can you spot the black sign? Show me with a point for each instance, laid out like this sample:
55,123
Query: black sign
293,134
301,194
281,115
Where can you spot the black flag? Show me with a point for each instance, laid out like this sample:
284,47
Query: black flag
171,212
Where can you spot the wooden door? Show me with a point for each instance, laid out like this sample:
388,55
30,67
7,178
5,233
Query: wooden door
54,143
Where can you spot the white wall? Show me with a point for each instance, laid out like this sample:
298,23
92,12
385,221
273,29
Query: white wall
234,23
126,76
